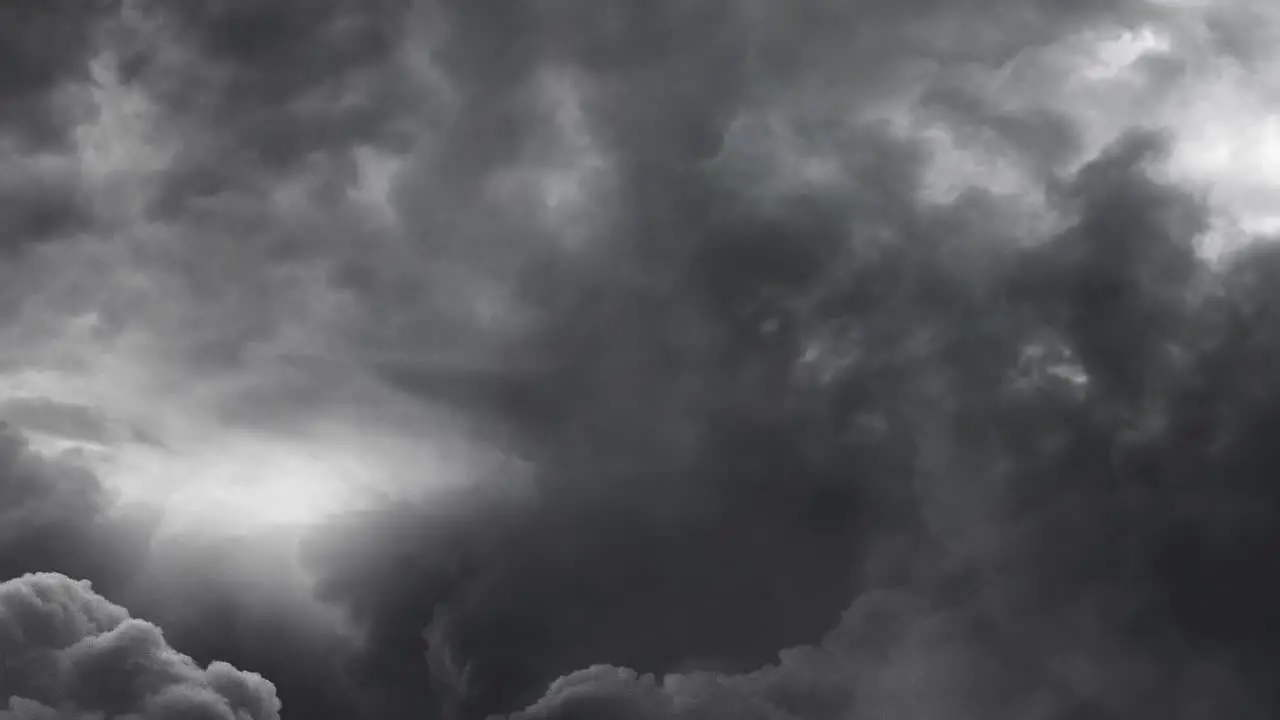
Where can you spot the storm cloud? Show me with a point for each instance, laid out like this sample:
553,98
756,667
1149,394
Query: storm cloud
650,340
68,652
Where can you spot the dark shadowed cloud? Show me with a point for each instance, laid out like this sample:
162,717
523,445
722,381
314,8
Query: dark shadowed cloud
664,335
700,501
45,51
265,89
58,517
1081,567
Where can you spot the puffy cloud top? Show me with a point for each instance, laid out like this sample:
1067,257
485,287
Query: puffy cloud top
66,651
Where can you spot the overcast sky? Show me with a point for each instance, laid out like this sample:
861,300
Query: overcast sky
796,359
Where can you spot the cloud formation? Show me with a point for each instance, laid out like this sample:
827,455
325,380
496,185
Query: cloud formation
699,471
57,516
741,390
68,652
667,331
1079,524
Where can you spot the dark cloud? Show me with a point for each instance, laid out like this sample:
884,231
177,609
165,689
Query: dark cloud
734,391
762,388
68,652
706,496
42,199
1125,277
262,89
44,49
1219,456
894,653
1113,569
57,516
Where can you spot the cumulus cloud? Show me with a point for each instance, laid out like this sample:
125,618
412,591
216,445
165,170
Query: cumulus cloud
59,517
239,598
68,652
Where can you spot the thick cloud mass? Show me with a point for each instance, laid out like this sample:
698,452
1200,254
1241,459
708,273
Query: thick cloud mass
45,50
68,652
1101,556
57,516
742,392
848,328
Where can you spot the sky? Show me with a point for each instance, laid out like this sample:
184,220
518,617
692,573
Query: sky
795,360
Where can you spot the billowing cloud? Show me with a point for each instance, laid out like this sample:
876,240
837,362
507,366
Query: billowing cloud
1045,573
739,388
1087,538
601,334
729,390
68,652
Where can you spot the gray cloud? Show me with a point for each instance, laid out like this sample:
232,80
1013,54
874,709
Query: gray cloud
1076,546
58,516
69,652
690,483
43,199
45,51
678,259
263,90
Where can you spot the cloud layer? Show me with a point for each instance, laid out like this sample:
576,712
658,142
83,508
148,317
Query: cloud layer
649,340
